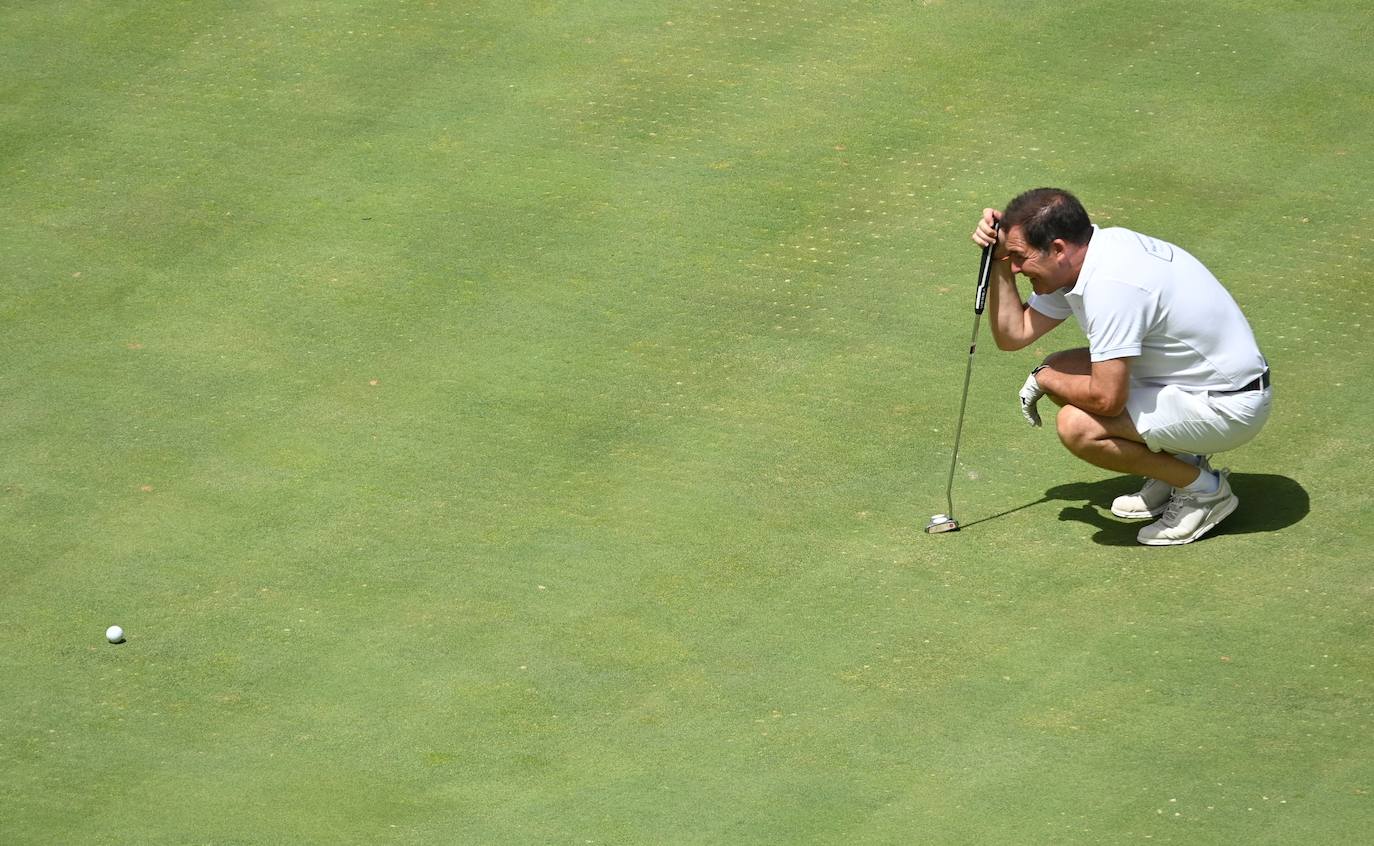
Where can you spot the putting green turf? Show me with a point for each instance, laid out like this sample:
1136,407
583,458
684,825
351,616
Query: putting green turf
514,423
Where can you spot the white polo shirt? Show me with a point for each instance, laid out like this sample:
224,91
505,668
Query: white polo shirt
1141,298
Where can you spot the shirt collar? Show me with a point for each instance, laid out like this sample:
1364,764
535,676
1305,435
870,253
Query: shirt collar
1087,270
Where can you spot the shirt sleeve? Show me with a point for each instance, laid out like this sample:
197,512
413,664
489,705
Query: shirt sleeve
1051,305
1119,316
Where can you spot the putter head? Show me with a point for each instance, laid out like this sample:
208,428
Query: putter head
941,523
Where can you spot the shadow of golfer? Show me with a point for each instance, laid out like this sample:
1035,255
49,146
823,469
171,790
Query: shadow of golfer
1268,503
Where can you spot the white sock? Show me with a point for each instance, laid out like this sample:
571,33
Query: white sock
1195,460
1205,483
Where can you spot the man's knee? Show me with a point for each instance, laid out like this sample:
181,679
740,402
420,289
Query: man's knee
1077,428
1082,432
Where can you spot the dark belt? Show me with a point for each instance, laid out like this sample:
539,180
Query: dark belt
1261,382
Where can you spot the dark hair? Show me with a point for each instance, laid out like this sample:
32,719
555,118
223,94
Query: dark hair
1048,214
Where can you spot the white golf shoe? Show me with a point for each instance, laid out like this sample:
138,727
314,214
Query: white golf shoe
1149,501
1189,516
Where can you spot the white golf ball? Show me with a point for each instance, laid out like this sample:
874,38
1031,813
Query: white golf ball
114,634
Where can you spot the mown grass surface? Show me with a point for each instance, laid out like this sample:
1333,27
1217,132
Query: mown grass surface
515,423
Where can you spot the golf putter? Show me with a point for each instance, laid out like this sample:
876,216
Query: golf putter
945,522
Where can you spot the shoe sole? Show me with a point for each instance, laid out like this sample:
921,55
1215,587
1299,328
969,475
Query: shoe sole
1139,515
1233,502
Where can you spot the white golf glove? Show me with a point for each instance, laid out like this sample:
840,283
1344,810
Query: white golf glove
1031,393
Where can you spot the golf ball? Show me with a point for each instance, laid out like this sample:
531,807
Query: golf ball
114,634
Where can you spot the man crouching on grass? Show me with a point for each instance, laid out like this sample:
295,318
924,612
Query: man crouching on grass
1171,373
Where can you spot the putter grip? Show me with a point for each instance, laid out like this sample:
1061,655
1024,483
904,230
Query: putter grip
980,297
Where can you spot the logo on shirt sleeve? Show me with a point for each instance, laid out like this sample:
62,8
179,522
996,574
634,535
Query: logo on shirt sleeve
1158,249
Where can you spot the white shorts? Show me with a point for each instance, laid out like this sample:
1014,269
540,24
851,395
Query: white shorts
1172,419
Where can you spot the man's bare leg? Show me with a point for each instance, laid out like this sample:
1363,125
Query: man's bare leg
1111,443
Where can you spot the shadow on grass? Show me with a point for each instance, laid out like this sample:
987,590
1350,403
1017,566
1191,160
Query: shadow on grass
1268,503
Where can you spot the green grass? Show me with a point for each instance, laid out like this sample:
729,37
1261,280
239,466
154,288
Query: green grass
515,422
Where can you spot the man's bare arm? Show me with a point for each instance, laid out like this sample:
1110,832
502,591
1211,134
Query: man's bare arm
1014,324
1103,392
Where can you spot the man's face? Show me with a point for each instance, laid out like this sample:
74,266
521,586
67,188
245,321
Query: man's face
1044,269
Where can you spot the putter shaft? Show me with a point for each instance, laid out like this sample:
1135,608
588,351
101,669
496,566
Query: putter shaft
980,299
963,403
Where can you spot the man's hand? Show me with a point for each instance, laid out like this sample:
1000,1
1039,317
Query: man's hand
988,232
1031,393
